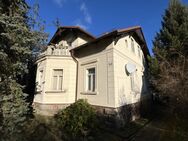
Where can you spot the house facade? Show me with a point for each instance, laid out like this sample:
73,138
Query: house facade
108,71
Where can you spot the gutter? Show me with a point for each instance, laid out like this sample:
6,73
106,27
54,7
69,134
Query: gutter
72,55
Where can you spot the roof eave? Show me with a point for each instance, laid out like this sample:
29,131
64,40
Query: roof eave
70,27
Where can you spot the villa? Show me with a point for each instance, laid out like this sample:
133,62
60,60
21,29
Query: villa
109,71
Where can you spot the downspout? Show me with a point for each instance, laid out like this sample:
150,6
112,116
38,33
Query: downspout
72,55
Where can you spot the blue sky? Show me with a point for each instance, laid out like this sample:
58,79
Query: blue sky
99,16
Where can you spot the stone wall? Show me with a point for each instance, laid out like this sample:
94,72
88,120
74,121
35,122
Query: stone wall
118,117
48,109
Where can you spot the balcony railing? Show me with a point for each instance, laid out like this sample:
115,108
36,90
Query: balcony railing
56,51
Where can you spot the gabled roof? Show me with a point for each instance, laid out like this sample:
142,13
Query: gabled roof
136,29
76,28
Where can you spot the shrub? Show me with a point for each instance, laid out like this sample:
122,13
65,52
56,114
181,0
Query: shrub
41,128
77,120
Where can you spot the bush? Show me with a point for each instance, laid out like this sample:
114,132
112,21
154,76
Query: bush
77,120
41,128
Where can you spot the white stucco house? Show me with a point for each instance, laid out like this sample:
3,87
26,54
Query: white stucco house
109,71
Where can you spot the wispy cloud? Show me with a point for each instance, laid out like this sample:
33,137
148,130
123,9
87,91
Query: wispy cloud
60,2
87,16
79,23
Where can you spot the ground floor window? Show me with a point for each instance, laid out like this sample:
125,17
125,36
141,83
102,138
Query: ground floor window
57,80
40,80
91,79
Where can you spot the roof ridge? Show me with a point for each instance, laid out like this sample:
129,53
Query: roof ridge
129,28
80,28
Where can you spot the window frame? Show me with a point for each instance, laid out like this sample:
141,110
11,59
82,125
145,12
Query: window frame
93,85
59,87
132,45
41,74
132,79
40,79
139,51
126,43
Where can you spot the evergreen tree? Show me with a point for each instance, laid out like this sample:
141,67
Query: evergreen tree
173,37
20,39
169,65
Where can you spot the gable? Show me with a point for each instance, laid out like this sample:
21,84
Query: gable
74,35
134,32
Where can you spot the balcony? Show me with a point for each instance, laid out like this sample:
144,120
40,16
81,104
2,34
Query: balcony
56,51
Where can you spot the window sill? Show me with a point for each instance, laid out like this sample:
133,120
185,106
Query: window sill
56,91
89,93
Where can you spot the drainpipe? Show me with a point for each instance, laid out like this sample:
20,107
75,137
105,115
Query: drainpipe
72,55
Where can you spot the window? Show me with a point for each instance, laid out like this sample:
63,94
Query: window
132,81
40,77
126,43
57,79
90,79
144,83
143,59
139,51
132,45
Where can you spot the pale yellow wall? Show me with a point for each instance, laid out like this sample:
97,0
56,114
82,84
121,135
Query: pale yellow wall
49,63
67,95
103,61
77,41
122,56
113,83
81,41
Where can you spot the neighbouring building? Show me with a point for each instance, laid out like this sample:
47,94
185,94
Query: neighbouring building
109,71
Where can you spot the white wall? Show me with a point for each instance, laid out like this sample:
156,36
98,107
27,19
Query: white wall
123,55
113,83
113,87
76,41
41,65
67,95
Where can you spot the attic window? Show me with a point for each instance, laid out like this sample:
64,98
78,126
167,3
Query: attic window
132,45
139,51
126,43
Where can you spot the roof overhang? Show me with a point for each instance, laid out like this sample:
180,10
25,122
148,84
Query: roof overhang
62,29
136,31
